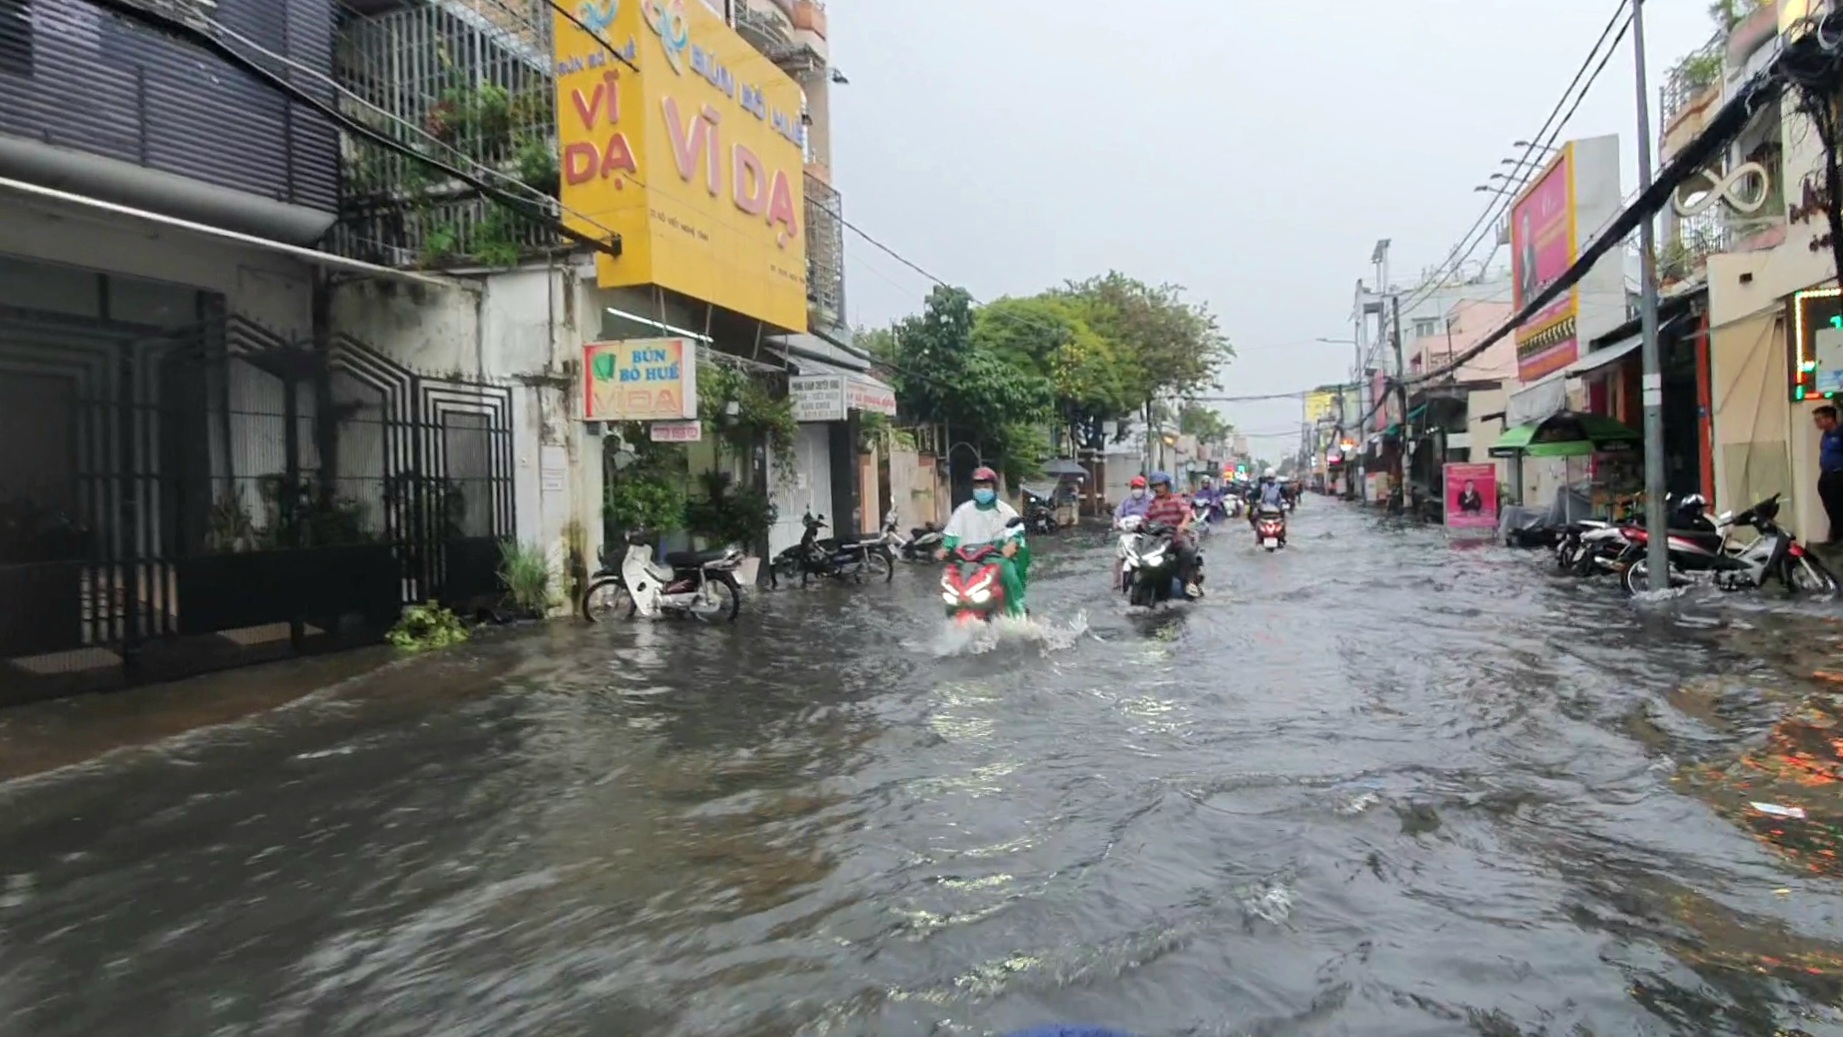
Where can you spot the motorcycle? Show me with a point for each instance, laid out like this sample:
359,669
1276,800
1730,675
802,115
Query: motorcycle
1708,556
1591,546
1270,527
1039,513
920,545
835,557
1149,564
1202,509
971,585
701,584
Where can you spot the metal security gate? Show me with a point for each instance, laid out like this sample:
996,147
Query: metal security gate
180,499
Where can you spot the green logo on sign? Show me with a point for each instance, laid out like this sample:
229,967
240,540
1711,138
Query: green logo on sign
604,367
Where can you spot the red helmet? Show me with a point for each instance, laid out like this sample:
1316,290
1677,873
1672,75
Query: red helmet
984,474
1138,482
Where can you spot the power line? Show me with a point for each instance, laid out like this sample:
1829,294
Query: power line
1526,166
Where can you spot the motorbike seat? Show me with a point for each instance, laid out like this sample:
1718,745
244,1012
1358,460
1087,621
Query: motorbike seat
686,559
1705,538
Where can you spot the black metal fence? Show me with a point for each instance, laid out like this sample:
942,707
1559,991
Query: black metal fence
178,501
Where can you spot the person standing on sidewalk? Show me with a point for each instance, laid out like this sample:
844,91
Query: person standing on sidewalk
1830,468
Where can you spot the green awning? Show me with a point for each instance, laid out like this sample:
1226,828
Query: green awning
1417,412
1567,434
1513,442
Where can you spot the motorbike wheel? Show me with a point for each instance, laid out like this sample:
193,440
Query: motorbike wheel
1637,578
605,597
1809,575
1585,564
1140,596
726,594
878,562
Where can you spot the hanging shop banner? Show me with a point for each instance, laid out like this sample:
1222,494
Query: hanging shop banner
1471,496
1543,242
682,143
675,431
870,397
648,379
817,397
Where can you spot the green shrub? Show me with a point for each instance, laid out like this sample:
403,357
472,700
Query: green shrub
427,626
525,571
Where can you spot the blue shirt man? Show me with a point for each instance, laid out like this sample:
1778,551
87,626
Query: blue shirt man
1830,467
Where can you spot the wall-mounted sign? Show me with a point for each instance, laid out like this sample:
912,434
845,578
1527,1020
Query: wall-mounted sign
817,397
1812,342
675,431
1743,189
870,398
648,379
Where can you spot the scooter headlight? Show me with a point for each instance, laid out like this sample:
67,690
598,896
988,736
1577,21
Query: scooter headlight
950,597
979,596
1153,558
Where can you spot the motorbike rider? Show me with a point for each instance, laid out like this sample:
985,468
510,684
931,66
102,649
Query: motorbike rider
1135,503
1267,492
1169,509
985,520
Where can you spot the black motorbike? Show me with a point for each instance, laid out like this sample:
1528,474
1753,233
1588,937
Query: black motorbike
1149,569
1039,514
841,557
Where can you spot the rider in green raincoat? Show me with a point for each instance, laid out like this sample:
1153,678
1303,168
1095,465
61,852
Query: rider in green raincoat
984,520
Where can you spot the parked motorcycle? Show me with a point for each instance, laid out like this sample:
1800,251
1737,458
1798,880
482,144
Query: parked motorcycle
1039,513
920,545
1711,557
971,585
1590,546
833,557
1149,565
1270,527
701,584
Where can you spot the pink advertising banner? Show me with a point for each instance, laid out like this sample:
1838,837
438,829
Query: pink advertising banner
1471,496
1543,244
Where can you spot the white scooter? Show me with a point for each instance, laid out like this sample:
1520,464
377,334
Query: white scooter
1128,528
691,583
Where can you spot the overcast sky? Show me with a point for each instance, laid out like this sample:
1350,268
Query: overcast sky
1252,152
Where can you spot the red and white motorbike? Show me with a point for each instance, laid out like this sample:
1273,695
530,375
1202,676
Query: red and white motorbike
1712,557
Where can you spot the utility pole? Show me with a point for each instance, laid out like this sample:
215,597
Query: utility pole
1657,546
1398,494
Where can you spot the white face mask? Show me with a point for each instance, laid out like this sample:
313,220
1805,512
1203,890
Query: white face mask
1139,495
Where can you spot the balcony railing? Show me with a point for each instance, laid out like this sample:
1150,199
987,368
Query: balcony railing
765,30
1692,76
825,254
467,82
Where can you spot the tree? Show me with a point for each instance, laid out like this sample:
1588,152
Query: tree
980,391
1087,375
1171,346
1196,419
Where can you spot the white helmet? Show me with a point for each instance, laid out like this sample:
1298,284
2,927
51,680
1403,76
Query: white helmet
1268,474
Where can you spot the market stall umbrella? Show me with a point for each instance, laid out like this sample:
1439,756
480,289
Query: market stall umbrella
1567,434
1063,467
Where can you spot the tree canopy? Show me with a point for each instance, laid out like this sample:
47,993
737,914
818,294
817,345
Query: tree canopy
1014,375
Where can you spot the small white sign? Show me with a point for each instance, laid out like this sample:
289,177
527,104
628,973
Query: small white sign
1827,350
871,398
675,431
554,469
817,397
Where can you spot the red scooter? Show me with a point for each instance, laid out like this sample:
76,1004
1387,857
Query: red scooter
1270,528
973,586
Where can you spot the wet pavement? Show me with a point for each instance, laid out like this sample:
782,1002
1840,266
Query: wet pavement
1378,784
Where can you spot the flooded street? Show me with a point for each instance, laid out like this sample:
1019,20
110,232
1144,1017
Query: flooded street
1377,784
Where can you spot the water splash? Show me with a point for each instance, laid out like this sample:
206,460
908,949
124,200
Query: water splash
980,638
